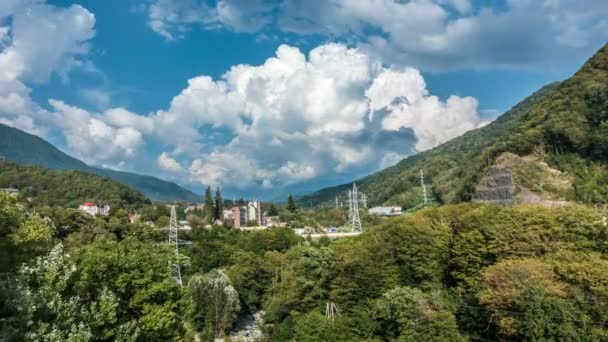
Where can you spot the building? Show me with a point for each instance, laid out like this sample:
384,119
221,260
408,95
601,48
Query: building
193,207
273,221
385,211
134,218
94,209
242,215
228,215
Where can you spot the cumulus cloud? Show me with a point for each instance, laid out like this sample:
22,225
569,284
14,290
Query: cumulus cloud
296,118
92,138
39,40
430,34
168,163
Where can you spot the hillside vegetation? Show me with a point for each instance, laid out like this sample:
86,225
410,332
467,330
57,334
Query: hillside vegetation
462,272
565,124
66,188
24,148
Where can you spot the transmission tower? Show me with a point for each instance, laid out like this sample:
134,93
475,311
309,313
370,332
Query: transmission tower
330,311
353,209
424,195
175,241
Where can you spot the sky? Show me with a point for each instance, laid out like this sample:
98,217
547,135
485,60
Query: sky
264,97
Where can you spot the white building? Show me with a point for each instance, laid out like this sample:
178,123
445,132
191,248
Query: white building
94,209
386,211
228,215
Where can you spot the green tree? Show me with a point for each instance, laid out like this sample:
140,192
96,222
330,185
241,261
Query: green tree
219,205
291,204
526,298
49,311
315,327
408,314
215,303
137,274
272,210
209,205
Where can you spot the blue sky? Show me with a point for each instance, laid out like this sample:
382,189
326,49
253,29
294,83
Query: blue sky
327,91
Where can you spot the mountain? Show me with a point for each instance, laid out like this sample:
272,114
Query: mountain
563,126
25,148
68,188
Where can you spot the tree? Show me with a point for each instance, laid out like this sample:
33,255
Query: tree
272,210
209,205
291,204
521,294
137,273
49,311
215,303
408,314
315,327
219,204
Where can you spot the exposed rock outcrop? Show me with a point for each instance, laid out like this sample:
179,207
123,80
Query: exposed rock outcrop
519,180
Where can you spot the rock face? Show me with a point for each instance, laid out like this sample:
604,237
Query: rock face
523,180
496,186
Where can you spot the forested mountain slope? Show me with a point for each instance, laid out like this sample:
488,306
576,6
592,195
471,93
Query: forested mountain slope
24,148
67,188
565,124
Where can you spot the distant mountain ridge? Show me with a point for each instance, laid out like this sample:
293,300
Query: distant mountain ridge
24,148
67,188
564,124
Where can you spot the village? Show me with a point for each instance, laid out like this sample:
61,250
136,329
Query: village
253,215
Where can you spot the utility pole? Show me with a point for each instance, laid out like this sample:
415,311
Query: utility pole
353,209
175,241
425,199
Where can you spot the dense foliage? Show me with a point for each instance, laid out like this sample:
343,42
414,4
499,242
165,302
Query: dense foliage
565,123
66,188
452,273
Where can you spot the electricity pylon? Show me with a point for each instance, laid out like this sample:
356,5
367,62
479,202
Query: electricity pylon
331,310
353,209
174,240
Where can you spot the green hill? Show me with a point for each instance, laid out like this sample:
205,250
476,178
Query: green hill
24,148
67,188
563,124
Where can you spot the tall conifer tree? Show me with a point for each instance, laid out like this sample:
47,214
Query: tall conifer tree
219,204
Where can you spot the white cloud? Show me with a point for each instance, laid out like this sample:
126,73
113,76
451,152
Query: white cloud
404,95
296,118
39,40
292,119
44,39
168,163
426,34
429,34
171,18
92,138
